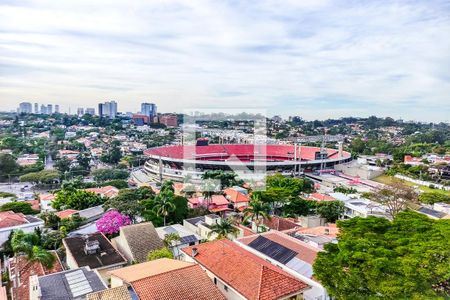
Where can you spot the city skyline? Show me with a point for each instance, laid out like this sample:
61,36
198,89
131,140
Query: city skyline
315,59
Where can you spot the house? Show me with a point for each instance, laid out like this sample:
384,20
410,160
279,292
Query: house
237,197
117,293
291,255
94,251
217,203
20,270
65,214
320,197
202,226
166,279
316,236
187,237
28,159
108,191
137,240
240,274
68,285
45,201
10,221
279,223
92,213
357,206
69,154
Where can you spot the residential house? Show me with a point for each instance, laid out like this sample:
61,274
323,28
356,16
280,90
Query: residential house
28,159
166,279
92,214
10,221
240,274
69,154
65,214
187,237
20,270
217,203
320,197
73,284
137,240
45,201
316,236
108,191
202,226
291,255
238,197
279,223
94,251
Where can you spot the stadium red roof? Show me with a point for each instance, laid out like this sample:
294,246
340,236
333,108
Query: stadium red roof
241,151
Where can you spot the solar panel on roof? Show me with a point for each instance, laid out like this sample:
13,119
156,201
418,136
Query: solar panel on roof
188,239
78,283
273,249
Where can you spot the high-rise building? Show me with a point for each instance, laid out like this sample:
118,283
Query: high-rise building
25,107
43,109
56,108
108,109
49,109
90,111
100,109
148,109
80,111
36,108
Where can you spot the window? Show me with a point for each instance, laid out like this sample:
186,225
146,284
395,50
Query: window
215,280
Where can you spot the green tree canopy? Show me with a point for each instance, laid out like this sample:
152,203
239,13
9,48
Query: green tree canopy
18,207
76,199
330,210
434,197
159,253
407,258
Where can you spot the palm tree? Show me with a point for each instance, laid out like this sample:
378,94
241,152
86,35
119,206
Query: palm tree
257,210
170,238
164,204
224,229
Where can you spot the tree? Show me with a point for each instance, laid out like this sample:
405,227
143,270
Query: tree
110,174
375,258
164,204
226,179
395,196
76,199
41,177
224,229
51,220
18,207
159,253
28,244
63,165
111,222
170,239
8,164
256,210
298,207
330,210
434,197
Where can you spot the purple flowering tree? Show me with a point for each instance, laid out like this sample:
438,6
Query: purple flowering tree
111,222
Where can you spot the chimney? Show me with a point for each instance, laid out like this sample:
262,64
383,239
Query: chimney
327,231
194,252
35,289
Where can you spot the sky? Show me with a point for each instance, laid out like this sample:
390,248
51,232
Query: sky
313,58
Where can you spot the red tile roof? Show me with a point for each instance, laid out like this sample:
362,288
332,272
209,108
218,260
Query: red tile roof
250,275
320,197
49,197
108,191
66,213
10,218
280,224
235,196
185,283
27,269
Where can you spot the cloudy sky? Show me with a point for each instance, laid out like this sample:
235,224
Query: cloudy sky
313,58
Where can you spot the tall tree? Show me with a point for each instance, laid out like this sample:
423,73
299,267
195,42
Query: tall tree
407,258
224,229
164,204
257,211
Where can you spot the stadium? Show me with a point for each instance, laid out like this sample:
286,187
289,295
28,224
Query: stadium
177,161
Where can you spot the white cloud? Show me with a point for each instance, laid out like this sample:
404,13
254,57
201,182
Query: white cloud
314,58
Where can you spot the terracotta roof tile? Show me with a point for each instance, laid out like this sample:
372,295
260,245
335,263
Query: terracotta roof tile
186,283
66,213
280,224
10,218
250,275
117,293
235,196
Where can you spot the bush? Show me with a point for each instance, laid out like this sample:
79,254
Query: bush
160,253
110,174
18,207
